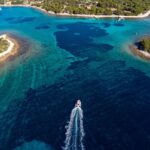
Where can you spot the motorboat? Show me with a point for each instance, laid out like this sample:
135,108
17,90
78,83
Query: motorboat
78,103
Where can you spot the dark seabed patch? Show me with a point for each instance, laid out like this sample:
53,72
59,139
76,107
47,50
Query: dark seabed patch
78,39
116,109
119,24
83,28
76,64
105,24
10,18
18,20
42,27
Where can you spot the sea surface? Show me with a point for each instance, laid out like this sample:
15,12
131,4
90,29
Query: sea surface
70,59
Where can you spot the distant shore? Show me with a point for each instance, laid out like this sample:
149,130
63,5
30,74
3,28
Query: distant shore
142,15
12,48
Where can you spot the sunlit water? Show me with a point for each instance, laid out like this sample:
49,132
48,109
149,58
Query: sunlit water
71,58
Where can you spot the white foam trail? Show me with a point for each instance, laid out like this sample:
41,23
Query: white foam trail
75,131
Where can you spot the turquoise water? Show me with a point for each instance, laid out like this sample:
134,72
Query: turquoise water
71,58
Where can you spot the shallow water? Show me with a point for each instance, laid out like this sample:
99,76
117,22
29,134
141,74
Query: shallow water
73,58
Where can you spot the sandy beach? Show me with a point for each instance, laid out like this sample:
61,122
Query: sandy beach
142,15
140,53
12,49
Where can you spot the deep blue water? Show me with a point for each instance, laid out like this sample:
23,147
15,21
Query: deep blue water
71,58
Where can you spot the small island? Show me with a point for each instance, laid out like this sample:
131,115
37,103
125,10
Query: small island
144,44
8,47
142,48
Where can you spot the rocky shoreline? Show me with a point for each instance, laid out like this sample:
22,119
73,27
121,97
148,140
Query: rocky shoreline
142,54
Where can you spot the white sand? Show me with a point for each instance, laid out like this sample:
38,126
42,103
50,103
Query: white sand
145,53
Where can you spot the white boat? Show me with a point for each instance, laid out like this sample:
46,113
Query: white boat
120,18
78,103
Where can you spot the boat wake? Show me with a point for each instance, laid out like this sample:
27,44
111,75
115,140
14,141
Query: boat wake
75,129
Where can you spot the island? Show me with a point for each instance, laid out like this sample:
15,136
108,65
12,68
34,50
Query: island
8,47
142,47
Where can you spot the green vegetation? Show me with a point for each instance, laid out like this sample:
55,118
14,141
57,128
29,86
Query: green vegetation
3,45
1,1
105,7
17,2
98,7
145,44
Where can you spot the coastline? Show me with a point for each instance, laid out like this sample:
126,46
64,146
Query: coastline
140,53
11,50
105,16
142,15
